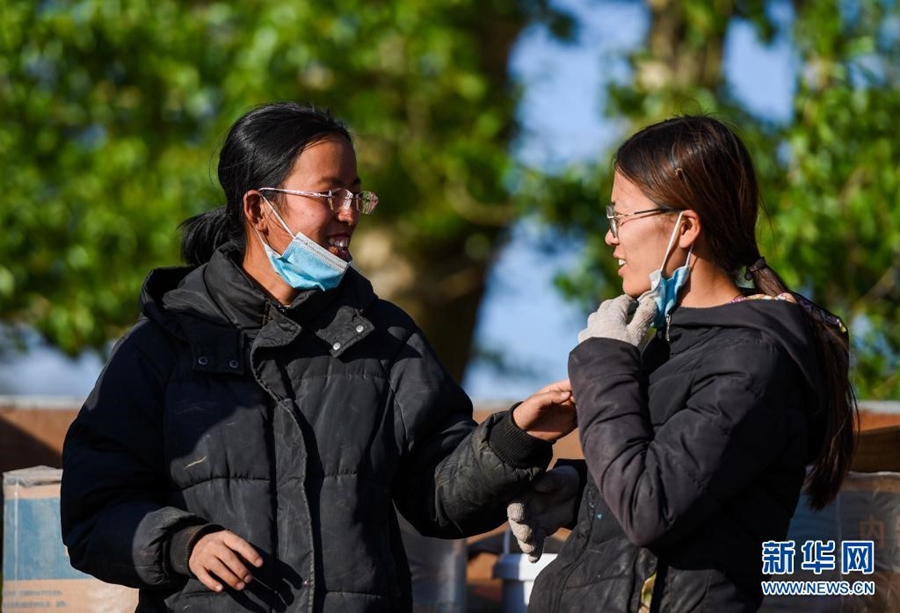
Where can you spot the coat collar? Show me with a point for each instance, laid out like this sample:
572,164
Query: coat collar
217,309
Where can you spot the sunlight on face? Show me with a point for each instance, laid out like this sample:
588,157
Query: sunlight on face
642,239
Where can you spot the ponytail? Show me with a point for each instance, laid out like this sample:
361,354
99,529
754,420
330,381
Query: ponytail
202,234
832,347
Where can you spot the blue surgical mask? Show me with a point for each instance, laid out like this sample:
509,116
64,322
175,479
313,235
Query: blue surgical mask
665,291
305,264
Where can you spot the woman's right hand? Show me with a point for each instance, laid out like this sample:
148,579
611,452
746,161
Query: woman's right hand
549,413
223,557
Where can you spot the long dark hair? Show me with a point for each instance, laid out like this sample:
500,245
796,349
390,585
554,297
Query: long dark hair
699,163
259,151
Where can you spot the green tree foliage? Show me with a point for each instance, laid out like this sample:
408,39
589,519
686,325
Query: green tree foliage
112,112
830,175
837,197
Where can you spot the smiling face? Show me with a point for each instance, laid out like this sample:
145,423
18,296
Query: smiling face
642,239
326,164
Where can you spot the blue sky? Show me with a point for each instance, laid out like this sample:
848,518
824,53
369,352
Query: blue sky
561,114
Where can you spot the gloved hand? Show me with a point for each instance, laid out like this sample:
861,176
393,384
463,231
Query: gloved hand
611,320
550,504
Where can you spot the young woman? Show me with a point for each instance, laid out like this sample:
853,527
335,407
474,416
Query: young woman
696,447
248,440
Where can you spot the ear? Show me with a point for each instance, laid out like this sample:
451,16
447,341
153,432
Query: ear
690,229
255,211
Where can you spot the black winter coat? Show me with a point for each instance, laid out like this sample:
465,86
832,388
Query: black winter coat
696,452
297,428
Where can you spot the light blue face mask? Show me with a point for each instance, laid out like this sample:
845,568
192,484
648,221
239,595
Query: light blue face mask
665,291
305,264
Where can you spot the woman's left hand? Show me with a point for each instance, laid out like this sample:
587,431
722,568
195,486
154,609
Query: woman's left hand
549,413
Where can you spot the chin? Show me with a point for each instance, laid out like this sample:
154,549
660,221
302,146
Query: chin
634,290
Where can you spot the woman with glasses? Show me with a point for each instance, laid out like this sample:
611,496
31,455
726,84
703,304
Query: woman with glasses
249,439
697,445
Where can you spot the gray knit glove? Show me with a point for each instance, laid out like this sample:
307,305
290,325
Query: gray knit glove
550,504
611,320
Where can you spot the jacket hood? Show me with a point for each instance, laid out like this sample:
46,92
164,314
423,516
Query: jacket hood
782,322
156,285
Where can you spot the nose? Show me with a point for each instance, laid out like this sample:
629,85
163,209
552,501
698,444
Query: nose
609,239
347,213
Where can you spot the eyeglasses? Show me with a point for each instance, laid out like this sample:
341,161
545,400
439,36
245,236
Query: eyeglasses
364,202
614,217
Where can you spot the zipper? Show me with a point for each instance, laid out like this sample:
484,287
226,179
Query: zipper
310,583
668,325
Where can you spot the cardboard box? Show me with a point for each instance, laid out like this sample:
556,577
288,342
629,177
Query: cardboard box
36,569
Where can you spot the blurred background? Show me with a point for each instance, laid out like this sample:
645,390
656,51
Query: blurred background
485,127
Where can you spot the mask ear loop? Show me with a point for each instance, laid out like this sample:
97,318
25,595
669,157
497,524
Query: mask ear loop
280,220
672,243
264,242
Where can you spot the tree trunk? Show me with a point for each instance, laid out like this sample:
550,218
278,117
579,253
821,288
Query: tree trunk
441,289
676,61
441,283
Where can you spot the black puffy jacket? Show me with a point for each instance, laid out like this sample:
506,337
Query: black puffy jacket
696,452
297,428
